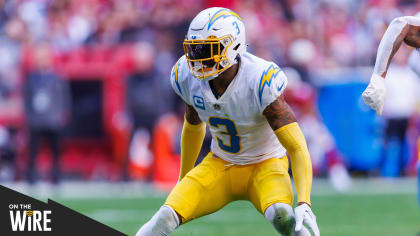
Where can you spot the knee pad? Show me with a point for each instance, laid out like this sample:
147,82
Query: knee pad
162,223
281,216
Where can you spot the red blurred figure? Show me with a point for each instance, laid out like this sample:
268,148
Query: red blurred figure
140,154
166,143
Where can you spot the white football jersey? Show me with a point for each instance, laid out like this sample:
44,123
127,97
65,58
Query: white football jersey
240,132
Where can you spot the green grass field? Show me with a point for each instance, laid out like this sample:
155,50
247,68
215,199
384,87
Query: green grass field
370,207
365,214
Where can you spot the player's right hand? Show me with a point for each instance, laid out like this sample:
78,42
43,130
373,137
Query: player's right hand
304,215
374,95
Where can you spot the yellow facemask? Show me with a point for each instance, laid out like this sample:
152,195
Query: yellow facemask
205,57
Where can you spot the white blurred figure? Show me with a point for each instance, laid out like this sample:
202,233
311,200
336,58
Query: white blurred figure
403,88
33,14
413,62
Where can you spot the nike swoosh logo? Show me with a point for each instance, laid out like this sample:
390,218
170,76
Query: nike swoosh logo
279,88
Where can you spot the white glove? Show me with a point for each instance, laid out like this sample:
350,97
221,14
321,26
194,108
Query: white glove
374,95
305,216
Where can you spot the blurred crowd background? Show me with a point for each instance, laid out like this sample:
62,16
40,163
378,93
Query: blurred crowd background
85,92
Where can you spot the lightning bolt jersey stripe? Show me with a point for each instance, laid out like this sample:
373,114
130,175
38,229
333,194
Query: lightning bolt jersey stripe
266,79
175,75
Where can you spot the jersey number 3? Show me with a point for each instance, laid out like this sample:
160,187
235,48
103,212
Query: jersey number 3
230,130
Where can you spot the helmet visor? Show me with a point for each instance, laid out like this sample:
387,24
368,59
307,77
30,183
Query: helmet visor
205,56
200,50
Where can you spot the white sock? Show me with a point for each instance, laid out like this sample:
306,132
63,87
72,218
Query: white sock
162,223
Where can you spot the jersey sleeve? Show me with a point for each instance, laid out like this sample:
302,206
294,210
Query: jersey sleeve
179,80
270,86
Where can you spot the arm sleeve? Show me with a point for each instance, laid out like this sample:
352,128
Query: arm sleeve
387,42
291,137
191,141
271,85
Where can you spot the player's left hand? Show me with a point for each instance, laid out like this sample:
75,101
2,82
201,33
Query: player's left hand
375,93
305,216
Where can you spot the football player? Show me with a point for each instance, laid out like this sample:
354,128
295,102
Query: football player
402,29
239,96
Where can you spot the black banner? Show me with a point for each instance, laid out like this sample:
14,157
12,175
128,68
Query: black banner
24,215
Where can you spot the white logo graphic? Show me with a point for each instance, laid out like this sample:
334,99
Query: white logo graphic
22,218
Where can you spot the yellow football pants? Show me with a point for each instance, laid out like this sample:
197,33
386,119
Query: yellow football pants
214,183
